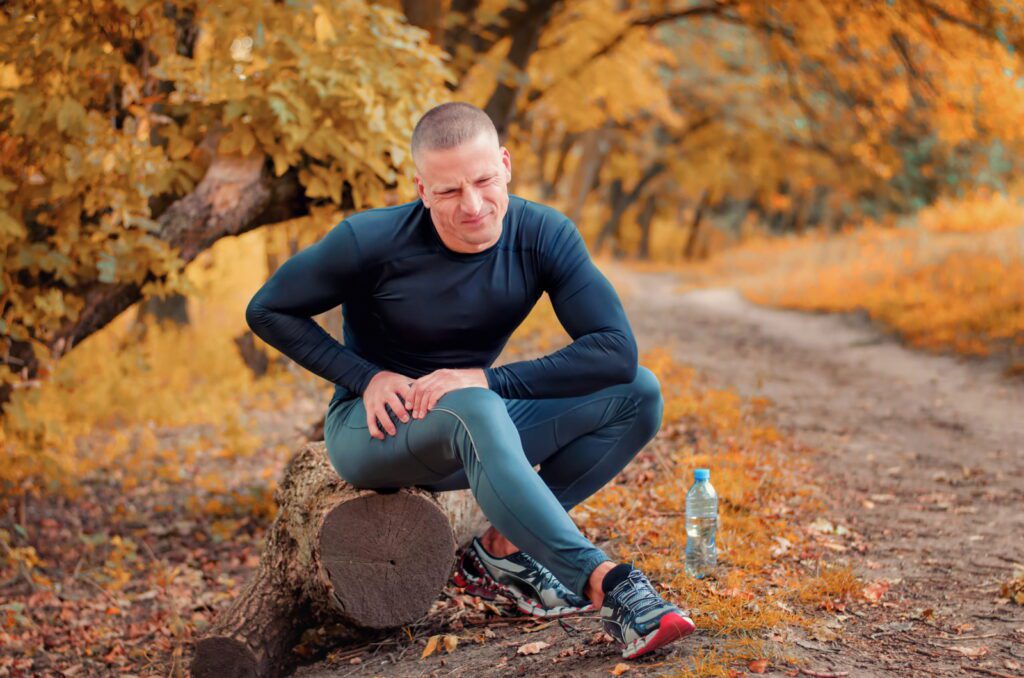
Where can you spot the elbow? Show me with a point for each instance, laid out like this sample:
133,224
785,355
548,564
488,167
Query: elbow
629,360
255,315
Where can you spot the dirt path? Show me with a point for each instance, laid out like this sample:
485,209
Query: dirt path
922,455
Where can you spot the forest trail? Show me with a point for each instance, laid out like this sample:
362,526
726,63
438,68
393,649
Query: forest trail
921,455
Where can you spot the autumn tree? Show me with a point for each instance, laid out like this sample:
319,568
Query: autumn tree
137,133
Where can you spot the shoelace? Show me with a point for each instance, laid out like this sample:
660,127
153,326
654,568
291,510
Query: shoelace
542,575
639,596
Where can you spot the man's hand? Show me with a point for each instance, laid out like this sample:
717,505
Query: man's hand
427,390
386,388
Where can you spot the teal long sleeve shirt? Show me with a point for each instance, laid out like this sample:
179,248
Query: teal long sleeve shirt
412,305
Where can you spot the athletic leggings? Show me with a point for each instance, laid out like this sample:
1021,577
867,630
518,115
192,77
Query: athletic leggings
473,438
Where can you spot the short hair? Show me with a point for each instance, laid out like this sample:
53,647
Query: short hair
449,125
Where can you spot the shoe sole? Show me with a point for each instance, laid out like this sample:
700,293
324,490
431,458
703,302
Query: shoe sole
489,588
671,627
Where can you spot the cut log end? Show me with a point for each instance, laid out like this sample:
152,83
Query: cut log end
220,657
386,557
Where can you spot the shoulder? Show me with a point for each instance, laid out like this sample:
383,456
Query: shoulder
377,232
535,216
542,227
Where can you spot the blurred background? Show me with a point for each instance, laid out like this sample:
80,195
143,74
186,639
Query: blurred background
159,159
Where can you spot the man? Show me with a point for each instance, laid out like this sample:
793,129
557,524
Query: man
430,292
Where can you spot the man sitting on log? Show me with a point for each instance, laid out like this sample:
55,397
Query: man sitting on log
431,290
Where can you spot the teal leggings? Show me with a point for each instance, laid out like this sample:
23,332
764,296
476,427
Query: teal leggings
473,438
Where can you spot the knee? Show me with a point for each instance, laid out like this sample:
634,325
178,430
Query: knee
646,391
473,405
482,415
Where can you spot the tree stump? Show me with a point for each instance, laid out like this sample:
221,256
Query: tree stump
367,559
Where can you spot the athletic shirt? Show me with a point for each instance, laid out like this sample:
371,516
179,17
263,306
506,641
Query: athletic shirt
412,305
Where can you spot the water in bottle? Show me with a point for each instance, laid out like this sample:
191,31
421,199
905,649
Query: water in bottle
701,524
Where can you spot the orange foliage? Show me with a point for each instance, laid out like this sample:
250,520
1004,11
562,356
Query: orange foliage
951,280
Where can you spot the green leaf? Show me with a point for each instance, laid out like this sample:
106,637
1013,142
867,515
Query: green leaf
107,267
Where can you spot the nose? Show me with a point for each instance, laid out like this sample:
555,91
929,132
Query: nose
471,202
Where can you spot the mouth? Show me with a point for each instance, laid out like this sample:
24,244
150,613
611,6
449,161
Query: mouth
476,220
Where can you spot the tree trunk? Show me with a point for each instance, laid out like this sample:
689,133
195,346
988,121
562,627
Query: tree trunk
551,187
644,221
366,559
595,149
617,201
690,251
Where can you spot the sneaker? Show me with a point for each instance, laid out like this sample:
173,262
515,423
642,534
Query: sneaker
534,588
635,615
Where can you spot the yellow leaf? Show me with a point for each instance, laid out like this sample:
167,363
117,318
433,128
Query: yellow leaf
620,668
247,142
450,643
532,648
431,647
178,147
324,29
9,78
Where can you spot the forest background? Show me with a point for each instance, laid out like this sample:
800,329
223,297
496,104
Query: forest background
158,160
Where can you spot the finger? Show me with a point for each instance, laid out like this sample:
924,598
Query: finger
406,392
398,408
371,425
385,421
426,401
423,392
417,395
434,397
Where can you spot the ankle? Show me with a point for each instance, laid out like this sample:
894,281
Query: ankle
594,590
496,545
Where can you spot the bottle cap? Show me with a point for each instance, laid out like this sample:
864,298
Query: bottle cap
701,474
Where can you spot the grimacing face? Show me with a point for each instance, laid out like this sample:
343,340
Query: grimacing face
466,190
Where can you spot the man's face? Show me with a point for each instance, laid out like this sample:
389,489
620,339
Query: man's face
466,190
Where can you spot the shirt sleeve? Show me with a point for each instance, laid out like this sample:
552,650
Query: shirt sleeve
312,281
603,352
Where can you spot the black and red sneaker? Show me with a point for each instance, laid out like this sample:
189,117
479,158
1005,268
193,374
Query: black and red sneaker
635,614
534,588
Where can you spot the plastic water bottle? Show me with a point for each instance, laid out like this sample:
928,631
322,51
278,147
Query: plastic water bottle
701,524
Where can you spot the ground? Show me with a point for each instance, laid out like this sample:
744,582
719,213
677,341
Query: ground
921,458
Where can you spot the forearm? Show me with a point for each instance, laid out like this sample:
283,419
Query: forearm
592,362
304,341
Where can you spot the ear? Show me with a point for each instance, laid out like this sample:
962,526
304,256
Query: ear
421,190
506,160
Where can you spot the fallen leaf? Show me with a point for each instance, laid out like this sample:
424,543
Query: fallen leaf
970,652
758,666
822,525
532,648
620,668
874,591
431,646
450,643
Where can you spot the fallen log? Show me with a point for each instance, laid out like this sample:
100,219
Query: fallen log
334,553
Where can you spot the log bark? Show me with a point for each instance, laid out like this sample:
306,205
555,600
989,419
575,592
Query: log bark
361,558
